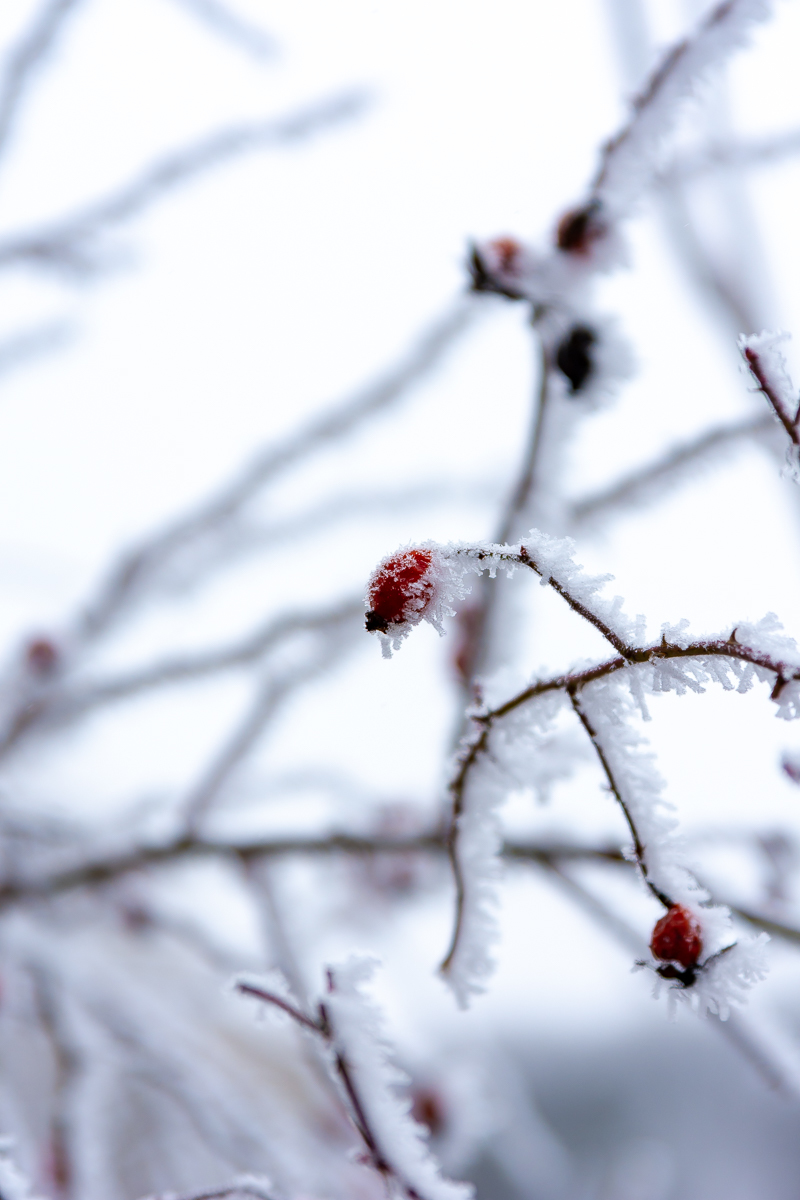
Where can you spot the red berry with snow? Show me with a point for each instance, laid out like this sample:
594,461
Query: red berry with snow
400,590
676,937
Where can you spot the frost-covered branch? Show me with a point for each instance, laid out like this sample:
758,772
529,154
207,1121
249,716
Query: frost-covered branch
421,584
351,1027
617,790
631,157
768,367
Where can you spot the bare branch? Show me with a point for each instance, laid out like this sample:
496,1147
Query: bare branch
63,705
224,21
773,384
741,154
63,242
268,701
26,58
249,989
140,564
233,1192
646,484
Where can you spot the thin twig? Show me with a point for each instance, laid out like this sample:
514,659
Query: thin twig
63,241
741,154
638,846
225,22
67,1063
141,563
26,58
646,482
61,705
249,989
788,420
323,1027
267,702
478,651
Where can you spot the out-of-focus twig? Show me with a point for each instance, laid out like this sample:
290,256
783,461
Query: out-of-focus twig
26,58
738,154
651,480
68,1063
266,704
141,563
63,704
65,241
224,21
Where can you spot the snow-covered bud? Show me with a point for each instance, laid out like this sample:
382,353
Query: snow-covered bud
400,591
677,937
574,357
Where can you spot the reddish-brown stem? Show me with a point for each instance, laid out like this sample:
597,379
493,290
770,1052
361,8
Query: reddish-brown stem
639,849
789,422
249,989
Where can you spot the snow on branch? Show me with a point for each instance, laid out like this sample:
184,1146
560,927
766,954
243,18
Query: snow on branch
351,1026
631,158
767,365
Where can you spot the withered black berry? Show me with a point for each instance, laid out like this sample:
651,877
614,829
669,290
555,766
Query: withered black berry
573,357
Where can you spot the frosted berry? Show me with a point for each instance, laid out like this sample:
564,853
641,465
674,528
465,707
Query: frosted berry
676,937
573,357
400,590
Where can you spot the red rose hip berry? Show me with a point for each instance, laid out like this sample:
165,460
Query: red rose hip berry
400,590
676,937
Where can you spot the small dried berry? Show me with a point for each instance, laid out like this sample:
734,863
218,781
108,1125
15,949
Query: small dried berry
41,656
400,590
507,251
427,1108
573,357
676,937
579,228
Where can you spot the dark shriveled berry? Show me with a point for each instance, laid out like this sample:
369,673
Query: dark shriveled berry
399,590
676,937
573,357
579,228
